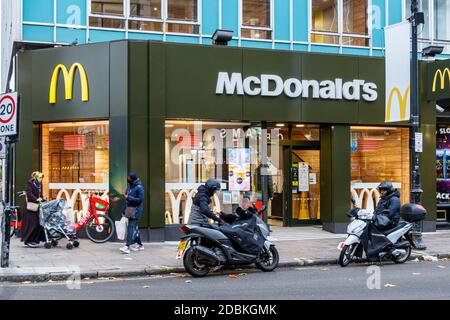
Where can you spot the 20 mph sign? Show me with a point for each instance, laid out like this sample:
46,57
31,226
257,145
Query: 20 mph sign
8,114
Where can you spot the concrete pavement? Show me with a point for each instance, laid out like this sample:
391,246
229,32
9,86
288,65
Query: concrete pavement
300,246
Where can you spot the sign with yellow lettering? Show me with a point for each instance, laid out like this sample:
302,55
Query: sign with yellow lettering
69,77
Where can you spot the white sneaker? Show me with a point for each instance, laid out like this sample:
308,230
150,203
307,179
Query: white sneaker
137,247
125,249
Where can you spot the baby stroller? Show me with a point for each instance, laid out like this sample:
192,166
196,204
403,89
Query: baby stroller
55,224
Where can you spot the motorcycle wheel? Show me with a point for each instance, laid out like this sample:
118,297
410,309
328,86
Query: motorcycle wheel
347,253
403,257
268,260
192,266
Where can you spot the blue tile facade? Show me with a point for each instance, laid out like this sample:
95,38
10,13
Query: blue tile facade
65,21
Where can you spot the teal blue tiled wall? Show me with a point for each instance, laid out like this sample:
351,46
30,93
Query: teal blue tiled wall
256,44
300,20
282,21
395,11
230,15
37,33
71,12
210,16
182,39
378,22
145,36
105,35
67,35
37,11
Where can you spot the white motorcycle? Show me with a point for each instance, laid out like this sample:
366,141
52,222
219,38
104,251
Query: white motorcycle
394,244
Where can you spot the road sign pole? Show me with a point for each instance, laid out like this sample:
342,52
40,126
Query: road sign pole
416,188
9,107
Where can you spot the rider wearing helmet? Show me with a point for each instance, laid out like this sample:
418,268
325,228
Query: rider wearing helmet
201,207
389,203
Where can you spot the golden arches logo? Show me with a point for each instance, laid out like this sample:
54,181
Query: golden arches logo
402,103
441,75
69,77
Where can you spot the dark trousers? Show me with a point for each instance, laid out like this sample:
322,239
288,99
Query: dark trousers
133,235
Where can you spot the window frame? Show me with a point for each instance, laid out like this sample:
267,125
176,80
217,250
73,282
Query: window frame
431,39
340,34
242,26
164,19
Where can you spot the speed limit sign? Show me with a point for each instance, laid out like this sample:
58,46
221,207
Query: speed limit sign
8,114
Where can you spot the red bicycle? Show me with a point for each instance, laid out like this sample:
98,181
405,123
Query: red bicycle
99,227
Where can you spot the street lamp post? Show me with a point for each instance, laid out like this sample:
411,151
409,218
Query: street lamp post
416,190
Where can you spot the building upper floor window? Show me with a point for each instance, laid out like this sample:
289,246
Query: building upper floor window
256,19
178,16
437,17
341,22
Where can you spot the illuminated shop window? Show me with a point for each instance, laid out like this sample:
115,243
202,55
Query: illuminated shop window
256,20
196,151
75,155
379,154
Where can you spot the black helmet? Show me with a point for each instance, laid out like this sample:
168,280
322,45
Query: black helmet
212,185
386,185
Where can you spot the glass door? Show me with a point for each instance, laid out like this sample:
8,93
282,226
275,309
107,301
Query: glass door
302,198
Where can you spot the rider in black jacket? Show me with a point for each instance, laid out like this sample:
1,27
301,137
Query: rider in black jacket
389,203
201,207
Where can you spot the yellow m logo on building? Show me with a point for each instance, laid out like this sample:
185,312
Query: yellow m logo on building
402,103
441,75
69,77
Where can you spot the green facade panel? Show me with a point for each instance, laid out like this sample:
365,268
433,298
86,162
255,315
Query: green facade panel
191,76
280,63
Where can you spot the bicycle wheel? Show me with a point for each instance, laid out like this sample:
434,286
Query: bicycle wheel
100,233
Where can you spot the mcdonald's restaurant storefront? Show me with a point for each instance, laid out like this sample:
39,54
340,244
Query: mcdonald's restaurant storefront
305,130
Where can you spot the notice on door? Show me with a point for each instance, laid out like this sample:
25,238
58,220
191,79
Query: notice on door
303,177
8,114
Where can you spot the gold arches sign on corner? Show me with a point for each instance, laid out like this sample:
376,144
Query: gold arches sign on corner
68,76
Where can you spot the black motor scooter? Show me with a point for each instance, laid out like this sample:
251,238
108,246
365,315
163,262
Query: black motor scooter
208,247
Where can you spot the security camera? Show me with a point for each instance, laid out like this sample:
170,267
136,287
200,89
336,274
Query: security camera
440,109
431,51
221,37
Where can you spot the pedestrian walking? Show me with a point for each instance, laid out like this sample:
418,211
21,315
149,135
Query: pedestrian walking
32,232
134,196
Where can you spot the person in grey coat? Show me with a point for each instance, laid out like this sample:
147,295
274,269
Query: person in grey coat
201,204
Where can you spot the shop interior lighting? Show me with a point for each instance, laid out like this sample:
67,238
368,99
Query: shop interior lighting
280,125
373,128
300,125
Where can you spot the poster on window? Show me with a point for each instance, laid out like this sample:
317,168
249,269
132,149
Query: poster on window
239,169
303,177
443,164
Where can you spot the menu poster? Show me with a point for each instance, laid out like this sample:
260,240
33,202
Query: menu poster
303,177
239,169
443,163
294,178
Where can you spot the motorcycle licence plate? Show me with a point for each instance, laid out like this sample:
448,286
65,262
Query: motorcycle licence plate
341,245
181,247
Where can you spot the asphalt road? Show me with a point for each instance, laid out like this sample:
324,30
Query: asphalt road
413,280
